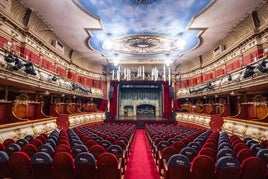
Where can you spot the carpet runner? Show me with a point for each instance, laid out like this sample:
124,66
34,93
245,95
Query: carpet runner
141,164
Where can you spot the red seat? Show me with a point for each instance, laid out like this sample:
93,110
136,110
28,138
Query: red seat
202,167
63,148
209,152
178,145
36,142
2,147
244,153
20,166
108,166
96,150
8,141
210,145
63,166
165,154
90,143
253,167
240,146
29,149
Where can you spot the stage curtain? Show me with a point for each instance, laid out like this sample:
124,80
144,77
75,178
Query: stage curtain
113,101
167,102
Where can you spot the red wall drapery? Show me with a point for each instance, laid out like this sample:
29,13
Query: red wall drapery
166,102
113,101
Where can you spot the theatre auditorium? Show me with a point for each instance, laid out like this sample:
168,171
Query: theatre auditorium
134,89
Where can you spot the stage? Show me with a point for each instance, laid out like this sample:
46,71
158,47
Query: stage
140,122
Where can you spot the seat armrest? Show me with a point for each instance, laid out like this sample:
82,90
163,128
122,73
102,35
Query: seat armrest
165,165
159,155
119,164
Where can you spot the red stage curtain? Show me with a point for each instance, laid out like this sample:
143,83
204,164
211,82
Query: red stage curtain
167,102
113,101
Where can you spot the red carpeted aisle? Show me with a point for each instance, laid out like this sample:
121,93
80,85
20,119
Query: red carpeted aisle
141,164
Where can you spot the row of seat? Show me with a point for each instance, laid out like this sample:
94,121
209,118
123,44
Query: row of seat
217,150
62,146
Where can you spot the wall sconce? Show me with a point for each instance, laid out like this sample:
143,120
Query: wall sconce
46,93
232,93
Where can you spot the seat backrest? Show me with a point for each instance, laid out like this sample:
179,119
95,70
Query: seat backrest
41,163
51,142
161,145
253,167
167,152
178,166
20,166
22,142
256,147
194,145
210,145
115,149
178,145
4,165
96,150
105,143
225,145
240,146
63,166
202,167
227,167
29,149
29,137
123,139
208,152
79,149
36,142
63,148
8,141
263,154
11,148
226,152
244,153
107,164
90,143
85,164
47,148
189,152
121,144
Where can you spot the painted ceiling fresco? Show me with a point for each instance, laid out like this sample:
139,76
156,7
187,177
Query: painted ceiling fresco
147,29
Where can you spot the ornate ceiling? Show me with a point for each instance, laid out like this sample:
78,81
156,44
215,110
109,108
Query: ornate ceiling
143,32
150,29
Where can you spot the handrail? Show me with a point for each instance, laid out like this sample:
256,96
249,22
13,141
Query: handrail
16,124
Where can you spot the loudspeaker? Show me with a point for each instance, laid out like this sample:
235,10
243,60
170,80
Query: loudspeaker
171,92
111,92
